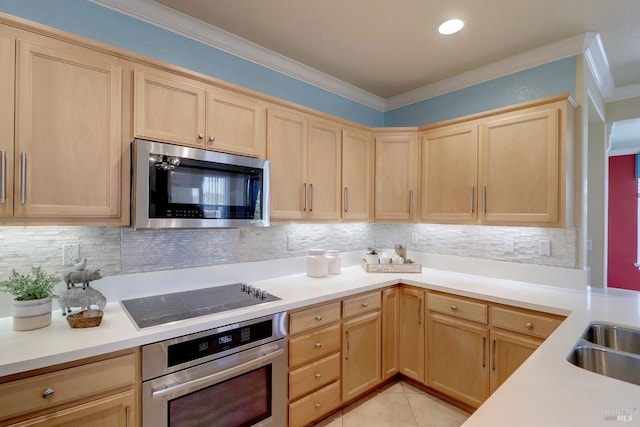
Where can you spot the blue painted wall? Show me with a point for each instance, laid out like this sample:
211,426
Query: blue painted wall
538,82
98,23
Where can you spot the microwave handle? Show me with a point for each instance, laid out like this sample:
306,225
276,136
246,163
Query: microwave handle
208,380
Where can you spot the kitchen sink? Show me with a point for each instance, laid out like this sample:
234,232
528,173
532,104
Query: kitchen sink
609,350
614,337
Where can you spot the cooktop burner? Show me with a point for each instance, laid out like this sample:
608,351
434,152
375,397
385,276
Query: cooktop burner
160,309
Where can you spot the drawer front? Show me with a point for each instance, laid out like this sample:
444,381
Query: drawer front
314,376
361,304
314,346
314,406
313,318
26,395
458,307
536,325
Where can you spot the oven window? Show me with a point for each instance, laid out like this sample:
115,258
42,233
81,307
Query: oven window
241,401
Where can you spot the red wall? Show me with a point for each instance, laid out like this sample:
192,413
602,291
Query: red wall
623,223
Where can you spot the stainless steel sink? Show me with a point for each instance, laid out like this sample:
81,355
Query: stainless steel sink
609,350
614,337
607,362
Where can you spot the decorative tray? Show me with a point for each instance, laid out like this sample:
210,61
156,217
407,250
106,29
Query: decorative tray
85,319
408,267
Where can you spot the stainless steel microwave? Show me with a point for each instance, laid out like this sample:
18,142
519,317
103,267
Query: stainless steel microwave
182,187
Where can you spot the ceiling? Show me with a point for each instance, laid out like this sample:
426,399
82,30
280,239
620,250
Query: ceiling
391,47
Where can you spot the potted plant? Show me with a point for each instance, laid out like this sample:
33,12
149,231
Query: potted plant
32,302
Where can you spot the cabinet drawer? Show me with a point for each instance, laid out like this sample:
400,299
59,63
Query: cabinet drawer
313,346
314,376
315,405
458,307
26,395
524,322
361,304
314,317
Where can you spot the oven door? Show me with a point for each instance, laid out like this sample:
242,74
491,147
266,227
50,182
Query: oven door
247,388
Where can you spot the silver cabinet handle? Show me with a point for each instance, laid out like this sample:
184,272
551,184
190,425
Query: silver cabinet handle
318,345
127,411
311,197
410,202
484,199
472,197
493,361
305,197
419,311
318,406
347,355
201,136
365,304
454,308
346,199
484,343
212,138
318,317
3,177
23,178
48,394
529,325
318,375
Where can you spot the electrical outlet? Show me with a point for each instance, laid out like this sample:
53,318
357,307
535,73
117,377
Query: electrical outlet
544,247
414,238
70,253
509,246
291,243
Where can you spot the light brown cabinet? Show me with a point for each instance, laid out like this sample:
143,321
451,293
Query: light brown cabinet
357,166
412,333
93,393
305,166
396,175
175,109
68,161
390,312
7,85
361,345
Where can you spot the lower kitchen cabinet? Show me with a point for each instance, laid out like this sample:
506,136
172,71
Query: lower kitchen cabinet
412,333
100,392
508,352
390,331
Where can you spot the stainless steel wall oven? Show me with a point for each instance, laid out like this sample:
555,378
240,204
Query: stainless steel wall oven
231,376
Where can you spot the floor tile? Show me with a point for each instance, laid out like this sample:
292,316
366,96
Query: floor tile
433,412
384,409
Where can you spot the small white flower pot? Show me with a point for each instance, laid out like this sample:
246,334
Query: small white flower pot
32,314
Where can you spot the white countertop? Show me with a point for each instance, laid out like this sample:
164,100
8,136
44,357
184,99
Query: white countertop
545,390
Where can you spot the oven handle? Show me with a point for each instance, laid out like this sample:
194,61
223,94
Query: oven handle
214,378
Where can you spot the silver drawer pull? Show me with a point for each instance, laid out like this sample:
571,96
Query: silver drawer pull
365,304
318,406
454,308
47,394
201,136
318,317
318,376
529,325
318,345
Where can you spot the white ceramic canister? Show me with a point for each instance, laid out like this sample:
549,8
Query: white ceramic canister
335,265
317,263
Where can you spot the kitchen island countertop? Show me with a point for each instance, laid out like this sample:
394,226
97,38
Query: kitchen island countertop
545,390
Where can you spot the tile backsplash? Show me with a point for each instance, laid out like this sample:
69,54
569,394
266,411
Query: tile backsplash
123,250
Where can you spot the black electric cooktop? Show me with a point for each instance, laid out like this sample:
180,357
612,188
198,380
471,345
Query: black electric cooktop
160,309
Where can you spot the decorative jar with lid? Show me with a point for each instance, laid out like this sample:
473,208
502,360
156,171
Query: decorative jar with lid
333,257
317,263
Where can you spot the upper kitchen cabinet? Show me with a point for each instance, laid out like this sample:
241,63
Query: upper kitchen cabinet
169,108
357,164
68,149
396,174
7,70
450,174
305,166
523,166
172,108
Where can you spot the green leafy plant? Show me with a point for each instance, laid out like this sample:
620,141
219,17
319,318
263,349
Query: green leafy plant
35,286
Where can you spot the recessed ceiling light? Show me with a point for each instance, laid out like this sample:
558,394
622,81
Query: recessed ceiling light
451,26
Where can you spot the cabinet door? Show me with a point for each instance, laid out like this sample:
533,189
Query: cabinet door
396,176
390,333
68,132
457,359
361,351
450,174
412,333
168,108
287,151
7,81
236,123
508,352
357,149
519,167
324,169
112,411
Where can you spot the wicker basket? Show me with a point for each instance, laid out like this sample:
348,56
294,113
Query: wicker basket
408,267
85,319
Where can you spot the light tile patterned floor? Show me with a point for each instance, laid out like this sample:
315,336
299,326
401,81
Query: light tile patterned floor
398,405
